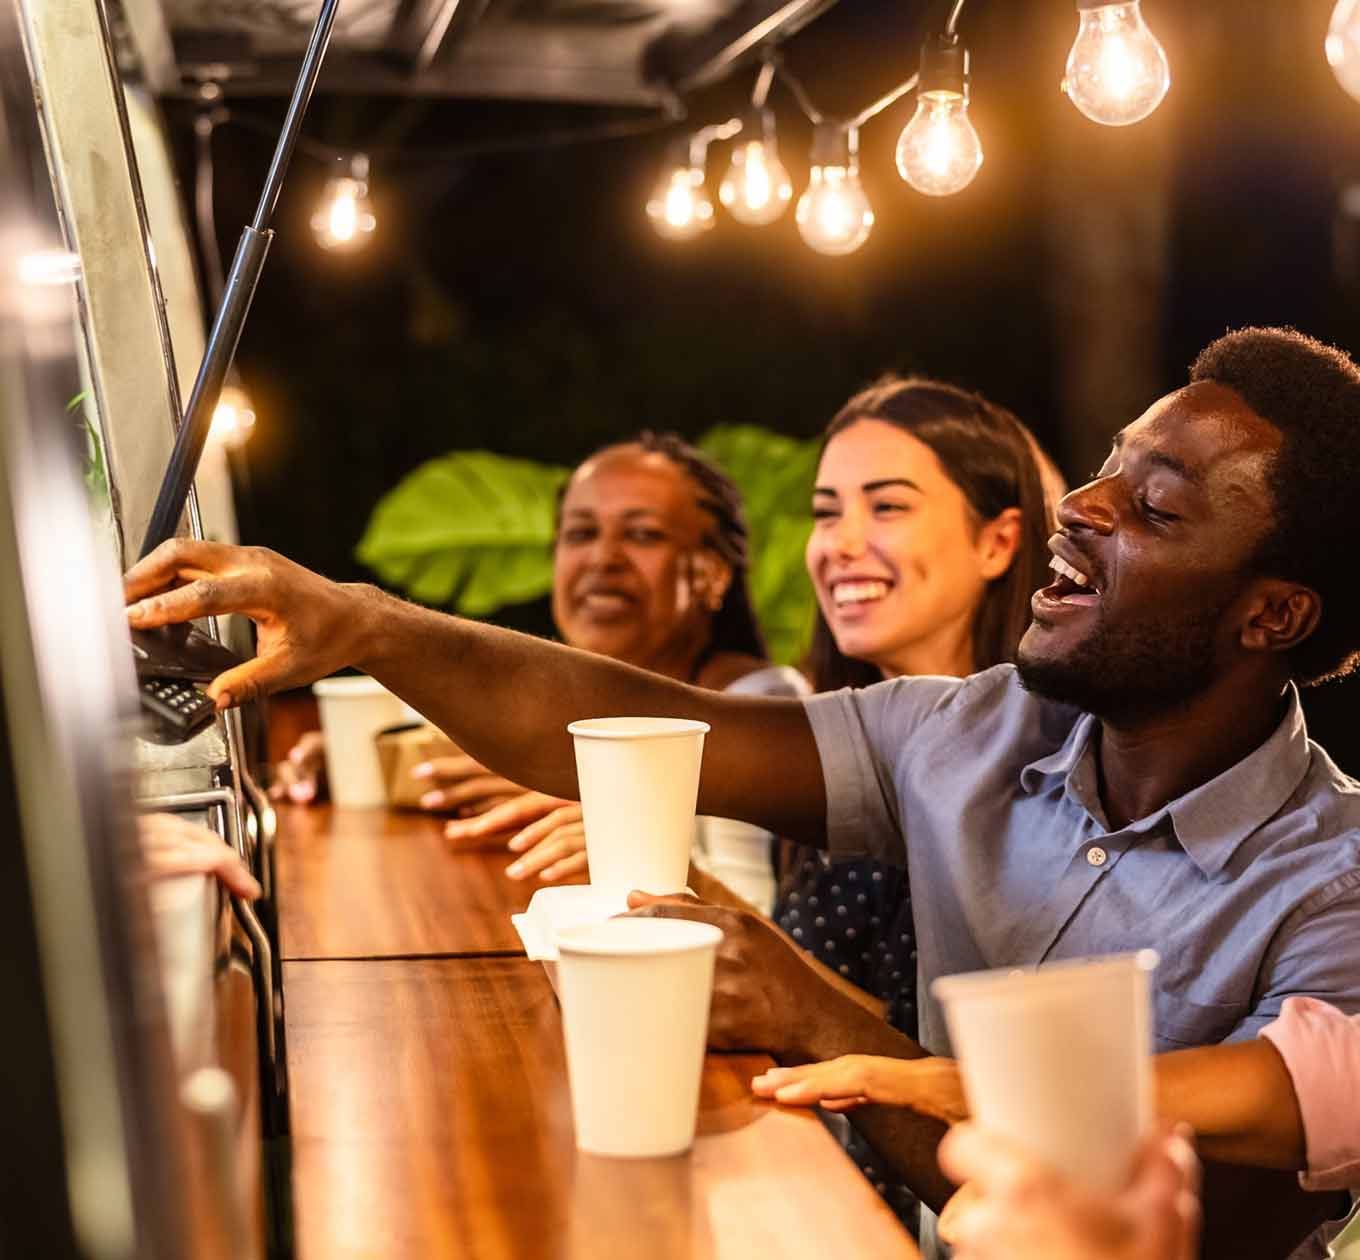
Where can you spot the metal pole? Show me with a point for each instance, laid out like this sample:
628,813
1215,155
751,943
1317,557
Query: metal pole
235,304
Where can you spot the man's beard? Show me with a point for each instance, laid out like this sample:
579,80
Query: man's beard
1123,674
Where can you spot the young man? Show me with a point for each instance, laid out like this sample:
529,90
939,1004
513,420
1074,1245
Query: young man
1143,778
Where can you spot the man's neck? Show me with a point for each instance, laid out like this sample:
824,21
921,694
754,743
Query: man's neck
1147,763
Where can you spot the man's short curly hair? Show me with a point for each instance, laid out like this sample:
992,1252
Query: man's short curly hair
1311,393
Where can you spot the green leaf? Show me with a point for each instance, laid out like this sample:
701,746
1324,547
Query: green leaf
471,530
775,475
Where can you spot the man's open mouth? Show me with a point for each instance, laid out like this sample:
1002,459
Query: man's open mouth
1071,585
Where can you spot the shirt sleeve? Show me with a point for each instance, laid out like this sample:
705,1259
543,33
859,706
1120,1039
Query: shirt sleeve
860,734
1321,1048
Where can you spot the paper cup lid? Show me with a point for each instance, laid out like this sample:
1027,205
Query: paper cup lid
634,937
1034,981
636,728
349,685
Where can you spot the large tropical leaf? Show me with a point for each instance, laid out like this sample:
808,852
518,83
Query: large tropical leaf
775,475
471,530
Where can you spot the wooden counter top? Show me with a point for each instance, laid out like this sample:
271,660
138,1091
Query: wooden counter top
431,1119
369,883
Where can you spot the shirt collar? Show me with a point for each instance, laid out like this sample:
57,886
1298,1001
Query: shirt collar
1212,820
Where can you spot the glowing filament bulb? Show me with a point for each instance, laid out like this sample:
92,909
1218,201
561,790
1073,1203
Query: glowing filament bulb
344,220
1117,72
679,207
233,417
833,215
938,152
1343,45
756,188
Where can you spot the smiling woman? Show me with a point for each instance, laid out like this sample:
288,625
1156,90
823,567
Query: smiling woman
932,507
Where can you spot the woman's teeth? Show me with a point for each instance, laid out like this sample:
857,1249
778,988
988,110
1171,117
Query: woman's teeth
844,593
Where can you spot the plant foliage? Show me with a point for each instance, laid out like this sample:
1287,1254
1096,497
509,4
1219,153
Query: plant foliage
473,531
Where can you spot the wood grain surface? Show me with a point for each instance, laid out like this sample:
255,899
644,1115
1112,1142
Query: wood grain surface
431,1120
369,883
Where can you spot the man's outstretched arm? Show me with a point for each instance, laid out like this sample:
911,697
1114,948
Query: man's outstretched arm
505,698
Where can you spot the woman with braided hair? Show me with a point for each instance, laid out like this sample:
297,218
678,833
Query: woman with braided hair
650,567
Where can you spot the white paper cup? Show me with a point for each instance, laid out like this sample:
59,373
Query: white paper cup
639,782
353,711
635,995
1058,1059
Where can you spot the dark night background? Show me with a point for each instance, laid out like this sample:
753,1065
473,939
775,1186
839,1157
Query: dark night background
520,303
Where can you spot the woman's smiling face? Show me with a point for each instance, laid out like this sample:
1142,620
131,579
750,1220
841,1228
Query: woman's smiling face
634,577
898,557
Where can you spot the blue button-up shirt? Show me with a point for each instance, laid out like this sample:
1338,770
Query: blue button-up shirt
1248,887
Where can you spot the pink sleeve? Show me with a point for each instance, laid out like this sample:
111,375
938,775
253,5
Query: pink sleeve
1321,1048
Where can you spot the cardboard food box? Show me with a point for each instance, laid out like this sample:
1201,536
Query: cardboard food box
400,750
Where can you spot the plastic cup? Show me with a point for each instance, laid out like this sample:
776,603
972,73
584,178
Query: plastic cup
353,711
635,995
639,784
1058,1059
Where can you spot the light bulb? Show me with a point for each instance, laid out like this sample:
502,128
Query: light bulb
1343,45
233,417
1117,71
938,152
679,206
833,215
344,220
756,188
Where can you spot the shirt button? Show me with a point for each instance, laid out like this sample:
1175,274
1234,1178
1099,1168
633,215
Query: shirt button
1096,856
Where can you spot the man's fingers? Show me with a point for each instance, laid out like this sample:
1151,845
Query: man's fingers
678,908
968,1154
638,900
167,563
203,597
249,681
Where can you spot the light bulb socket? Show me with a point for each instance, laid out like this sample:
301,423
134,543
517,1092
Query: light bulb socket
757,123
944,66
1084,6
834,144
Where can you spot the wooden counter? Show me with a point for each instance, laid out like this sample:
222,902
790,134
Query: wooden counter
369,883
431,1117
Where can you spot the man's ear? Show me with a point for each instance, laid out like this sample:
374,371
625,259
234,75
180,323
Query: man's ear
1280,616
997,542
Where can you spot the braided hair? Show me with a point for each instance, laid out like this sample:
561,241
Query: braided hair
735,628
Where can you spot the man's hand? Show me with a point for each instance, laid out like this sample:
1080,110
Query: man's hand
930,1086
308,627
761,985
1018,1209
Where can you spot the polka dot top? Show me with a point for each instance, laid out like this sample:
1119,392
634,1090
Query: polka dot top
855,917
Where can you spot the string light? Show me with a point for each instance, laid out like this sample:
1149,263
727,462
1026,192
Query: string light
834,215
233,418
1343,45
1117,72
680,207
756,188
344,220
938,152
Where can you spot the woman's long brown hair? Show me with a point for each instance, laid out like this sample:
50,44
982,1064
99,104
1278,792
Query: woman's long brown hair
997,464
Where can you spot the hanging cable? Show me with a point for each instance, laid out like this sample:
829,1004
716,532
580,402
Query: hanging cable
799,94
